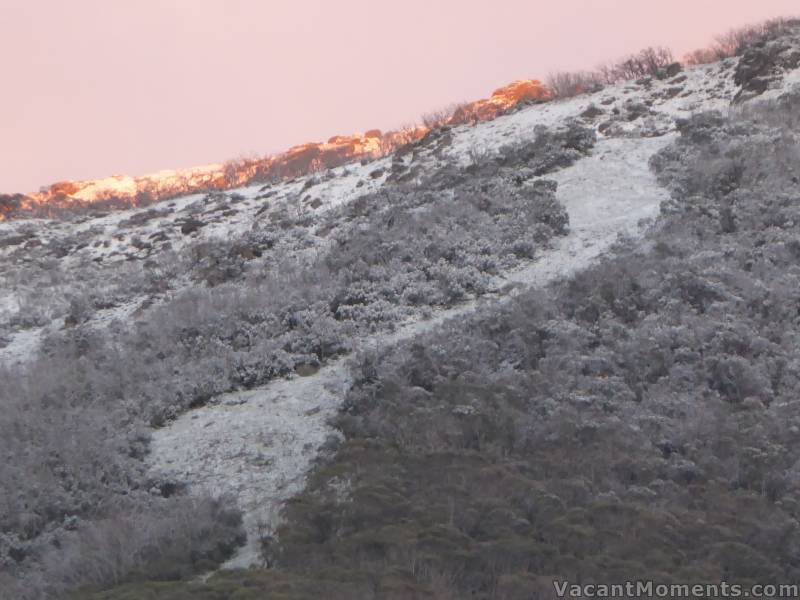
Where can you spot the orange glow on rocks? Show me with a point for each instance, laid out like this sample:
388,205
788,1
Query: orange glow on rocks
502,100
122,191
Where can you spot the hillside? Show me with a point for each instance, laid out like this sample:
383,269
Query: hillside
559,342
123,191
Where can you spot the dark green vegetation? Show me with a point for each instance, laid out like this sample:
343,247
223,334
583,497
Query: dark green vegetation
637,421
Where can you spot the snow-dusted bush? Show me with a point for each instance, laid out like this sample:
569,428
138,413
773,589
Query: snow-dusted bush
658,386
550,149
227,314
716,157
459,237
165,538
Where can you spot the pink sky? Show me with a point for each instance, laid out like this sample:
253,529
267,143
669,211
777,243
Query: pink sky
100,87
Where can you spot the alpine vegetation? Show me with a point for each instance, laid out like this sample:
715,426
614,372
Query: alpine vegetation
246,314
560,345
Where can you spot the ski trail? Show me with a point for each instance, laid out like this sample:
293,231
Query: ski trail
259,445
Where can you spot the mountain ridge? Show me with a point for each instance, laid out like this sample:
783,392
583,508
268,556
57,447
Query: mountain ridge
125,191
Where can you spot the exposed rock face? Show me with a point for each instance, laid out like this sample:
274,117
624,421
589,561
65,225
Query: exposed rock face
501,100
517,91
121,191
338,150
11,203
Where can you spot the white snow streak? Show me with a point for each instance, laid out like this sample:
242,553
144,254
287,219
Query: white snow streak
259,445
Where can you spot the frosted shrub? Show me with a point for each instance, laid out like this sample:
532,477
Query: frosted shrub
257,306
658,386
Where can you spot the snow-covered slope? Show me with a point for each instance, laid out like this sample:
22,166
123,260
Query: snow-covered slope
629,109
106,240
257,446
647,108
120,191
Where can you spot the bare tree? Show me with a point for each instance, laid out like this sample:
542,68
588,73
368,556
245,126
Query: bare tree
443,116
649,61
231,172
566,84
702,56
645,62
736,41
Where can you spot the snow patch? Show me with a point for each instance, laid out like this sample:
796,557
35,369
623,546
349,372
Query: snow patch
258,446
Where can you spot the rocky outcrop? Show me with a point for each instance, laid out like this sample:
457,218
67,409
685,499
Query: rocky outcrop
121,191
501,100
338,150
11,204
